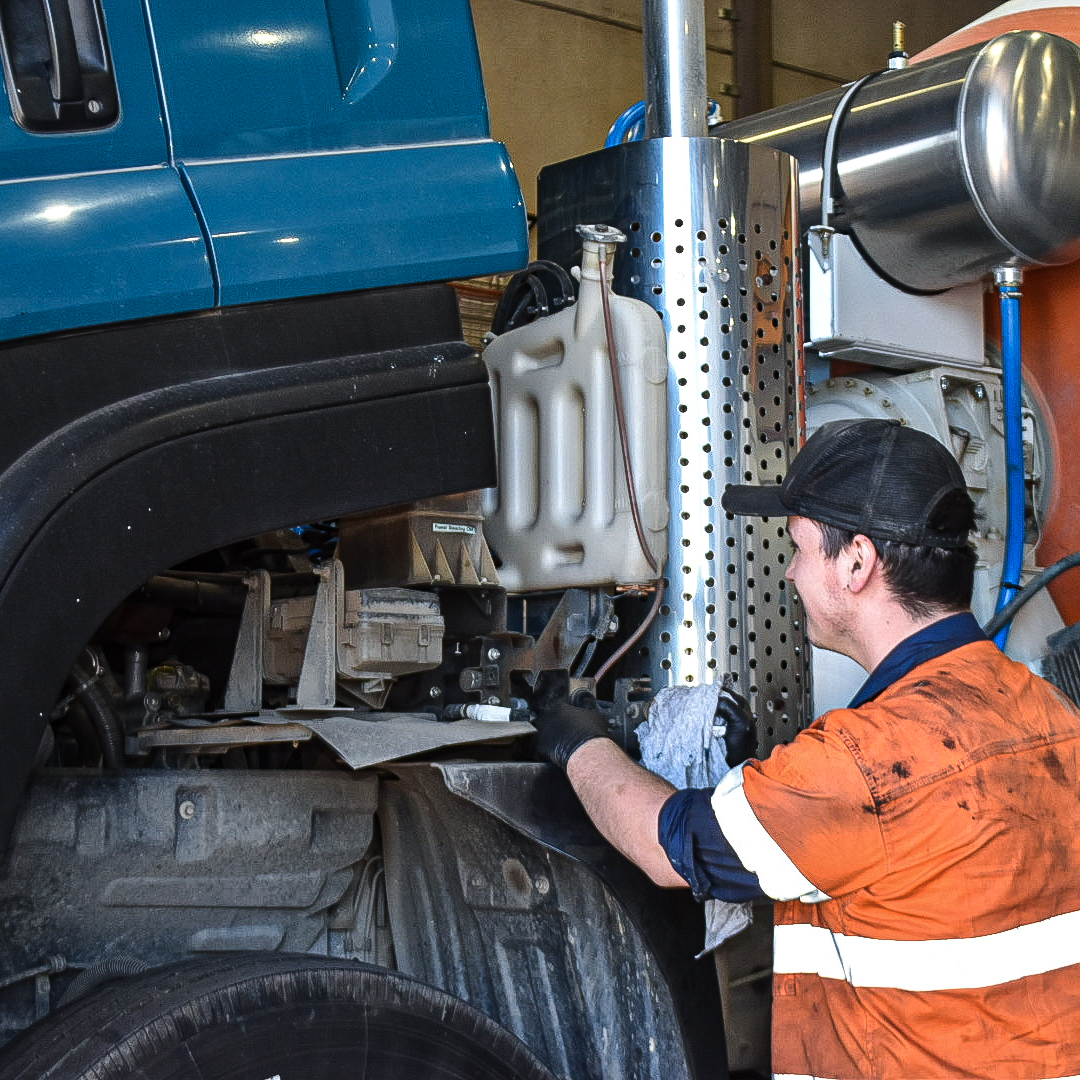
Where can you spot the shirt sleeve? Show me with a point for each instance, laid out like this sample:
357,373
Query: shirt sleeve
690,835
804,819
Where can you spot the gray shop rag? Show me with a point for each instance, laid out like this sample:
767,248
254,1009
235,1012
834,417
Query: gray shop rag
683,741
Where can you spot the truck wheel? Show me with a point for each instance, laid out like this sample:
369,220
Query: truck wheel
269,1018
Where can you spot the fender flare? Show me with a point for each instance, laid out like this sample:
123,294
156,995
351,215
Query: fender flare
115,495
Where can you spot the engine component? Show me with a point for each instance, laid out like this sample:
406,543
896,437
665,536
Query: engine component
579,620
948,168
963,409
427,543
1062,663
181,688
362,640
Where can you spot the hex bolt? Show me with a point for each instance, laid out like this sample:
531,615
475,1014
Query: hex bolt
493,654
187,810
435,692
542,885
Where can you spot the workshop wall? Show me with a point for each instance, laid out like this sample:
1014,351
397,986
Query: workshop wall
558,72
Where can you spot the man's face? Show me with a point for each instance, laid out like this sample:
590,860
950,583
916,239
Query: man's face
817,580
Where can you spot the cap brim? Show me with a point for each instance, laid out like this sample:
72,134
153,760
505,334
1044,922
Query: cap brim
752,501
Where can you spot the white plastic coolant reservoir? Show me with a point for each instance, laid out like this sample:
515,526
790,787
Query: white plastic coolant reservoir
561,514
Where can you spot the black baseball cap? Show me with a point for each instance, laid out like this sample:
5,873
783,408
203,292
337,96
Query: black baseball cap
875,477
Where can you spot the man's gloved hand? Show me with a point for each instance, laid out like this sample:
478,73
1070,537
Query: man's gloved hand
740,739
562,728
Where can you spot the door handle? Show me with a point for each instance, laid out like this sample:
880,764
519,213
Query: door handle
66,80
57,65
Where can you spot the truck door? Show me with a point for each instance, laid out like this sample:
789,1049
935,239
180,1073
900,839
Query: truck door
334,145
95,225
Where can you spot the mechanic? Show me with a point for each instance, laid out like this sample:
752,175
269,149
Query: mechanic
921,844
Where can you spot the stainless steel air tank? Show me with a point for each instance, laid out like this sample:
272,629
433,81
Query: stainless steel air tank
951,167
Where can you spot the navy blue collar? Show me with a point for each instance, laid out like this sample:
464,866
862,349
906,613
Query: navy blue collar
932,641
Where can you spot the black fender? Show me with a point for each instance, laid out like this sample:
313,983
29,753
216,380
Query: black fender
502,892
245,420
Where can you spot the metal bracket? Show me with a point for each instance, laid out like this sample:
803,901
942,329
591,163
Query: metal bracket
819,239
243,693
317,686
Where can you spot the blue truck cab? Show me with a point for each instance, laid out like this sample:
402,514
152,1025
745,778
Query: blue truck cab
245,601
203,155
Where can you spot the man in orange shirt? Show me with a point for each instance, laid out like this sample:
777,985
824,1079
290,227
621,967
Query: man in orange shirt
920,844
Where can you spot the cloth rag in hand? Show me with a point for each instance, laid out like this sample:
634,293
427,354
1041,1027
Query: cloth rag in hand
683,741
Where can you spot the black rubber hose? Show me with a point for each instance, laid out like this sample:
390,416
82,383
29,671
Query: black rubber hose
110,967
99,707
219,594
1040,581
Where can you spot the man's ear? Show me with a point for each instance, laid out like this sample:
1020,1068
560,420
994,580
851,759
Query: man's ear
861,558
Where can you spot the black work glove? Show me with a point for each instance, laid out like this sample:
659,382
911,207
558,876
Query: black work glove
561,728
740,739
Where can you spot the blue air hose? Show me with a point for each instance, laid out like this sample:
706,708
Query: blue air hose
623,130
630,126
1008,281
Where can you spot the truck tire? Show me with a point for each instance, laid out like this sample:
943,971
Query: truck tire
268,1018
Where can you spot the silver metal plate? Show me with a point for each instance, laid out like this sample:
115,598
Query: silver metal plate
712,229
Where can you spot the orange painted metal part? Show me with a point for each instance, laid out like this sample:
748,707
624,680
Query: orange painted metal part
1051,334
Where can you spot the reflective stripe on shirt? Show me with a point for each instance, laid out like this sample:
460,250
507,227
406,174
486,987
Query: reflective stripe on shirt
943,964
807,1076
780,878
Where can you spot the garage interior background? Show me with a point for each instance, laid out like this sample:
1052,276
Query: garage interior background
559,73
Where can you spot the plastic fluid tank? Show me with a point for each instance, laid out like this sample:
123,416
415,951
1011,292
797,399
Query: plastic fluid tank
561,514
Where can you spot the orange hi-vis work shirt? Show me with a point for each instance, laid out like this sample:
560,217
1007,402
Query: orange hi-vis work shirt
926,849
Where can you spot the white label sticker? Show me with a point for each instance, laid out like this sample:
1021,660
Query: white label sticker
449,527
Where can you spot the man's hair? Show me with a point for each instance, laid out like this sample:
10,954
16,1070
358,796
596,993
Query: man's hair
924,580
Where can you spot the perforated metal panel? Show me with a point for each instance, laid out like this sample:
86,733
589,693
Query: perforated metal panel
711,227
